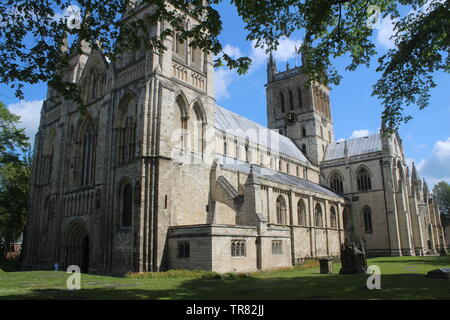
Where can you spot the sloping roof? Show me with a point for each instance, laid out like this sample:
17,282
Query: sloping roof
355,147
243,128
275,176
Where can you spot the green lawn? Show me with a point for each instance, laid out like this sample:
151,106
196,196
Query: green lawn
402,278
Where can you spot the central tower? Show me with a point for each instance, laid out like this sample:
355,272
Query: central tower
299,110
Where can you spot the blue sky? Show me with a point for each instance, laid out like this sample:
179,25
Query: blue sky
355,112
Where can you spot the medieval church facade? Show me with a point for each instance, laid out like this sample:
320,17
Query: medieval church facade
154,175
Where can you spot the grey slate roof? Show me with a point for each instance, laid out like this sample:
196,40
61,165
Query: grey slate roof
355,147
275,176
241,127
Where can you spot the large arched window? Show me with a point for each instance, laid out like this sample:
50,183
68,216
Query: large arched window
291,100
367,217
336,182
282,105
300,100
197,131
126,131
127,205
281,210
333,218
318,217
180,125
363,178
88,155
301,211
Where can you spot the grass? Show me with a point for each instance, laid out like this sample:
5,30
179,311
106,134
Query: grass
402,278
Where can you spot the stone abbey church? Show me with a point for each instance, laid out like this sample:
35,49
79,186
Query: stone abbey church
156,176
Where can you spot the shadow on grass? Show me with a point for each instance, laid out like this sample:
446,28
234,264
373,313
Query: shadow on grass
304,287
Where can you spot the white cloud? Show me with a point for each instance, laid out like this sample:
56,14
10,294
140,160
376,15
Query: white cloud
385,32
232,51
360,133
436,167
30,114
386,25
223,78
285,51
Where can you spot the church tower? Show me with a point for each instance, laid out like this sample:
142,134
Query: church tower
299,111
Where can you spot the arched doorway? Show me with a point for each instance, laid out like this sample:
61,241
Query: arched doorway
85,254
76,248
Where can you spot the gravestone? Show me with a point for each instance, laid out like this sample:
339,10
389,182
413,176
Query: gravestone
443,252
353,259
442,273
326,266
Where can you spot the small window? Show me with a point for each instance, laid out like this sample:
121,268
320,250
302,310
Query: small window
304,149
282,106
277,247
238,248
301,211
367,215
291,100
336,182
333,218
300,100
364,182
184,249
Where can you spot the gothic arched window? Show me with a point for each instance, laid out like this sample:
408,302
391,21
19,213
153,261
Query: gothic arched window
291,100
318,217
282,105
301,211
88,155
197,132
300,99
336,182
367,217
127,205
363,177
281,210
304,149
333,218
126,131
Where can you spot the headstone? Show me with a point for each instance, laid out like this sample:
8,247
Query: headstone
353,259
326,266
443,273
443,252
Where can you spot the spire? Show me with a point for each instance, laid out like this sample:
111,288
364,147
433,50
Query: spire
251,179
271,67
425,189
383,126
414,175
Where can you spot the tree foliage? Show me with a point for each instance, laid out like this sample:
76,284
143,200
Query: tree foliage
15,168
332,28
13,141
442,193
14,186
